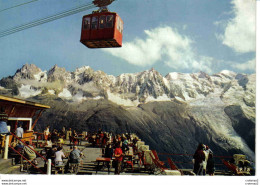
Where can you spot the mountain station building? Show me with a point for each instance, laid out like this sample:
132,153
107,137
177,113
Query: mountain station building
22,111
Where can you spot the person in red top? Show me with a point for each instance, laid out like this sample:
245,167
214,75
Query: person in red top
199,158
118,158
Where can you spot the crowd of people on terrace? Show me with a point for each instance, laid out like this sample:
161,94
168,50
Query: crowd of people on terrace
114,145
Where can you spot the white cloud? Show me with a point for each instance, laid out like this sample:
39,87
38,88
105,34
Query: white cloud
161,44
78,97
240,31
27,91
65,94
249,65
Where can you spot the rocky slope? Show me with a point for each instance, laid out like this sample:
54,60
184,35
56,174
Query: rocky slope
172,113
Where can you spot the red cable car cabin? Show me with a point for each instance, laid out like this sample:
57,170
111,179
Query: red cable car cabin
102,30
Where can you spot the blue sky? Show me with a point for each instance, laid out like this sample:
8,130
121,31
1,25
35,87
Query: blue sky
169,35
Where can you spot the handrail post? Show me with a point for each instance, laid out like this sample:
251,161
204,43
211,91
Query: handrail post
49,167
6,144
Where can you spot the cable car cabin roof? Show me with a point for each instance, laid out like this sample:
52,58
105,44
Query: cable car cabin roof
102,30
15,107
101,3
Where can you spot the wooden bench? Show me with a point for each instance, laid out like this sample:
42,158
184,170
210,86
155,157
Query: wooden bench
58,168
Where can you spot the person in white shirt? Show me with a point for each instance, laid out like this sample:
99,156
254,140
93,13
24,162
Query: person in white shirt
46,132
206,151
19,131
59,155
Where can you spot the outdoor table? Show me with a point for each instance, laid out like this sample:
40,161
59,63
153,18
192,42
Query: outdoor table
47,148
67,152
128,160
104,160
79,139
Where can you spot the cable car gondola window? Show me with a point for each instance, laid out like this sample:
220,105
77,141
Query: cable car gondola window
119,25
86,23
102,20
94,22
110,21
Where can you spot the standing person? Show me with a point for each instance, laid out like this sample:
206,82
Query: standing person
118,158
210,165
3,128
59,155
54,136
198,157
19,131
63,133
206,151
46,132
108,151
68,134
74,136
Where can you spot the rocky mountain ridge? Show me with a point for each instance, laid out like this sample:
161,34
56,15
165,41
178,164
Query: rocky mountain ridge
172,113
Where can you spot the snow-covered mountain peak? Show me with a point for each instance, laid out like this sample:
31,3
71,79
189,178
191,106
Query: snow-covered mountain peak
58,74
82,69
27,72
228,74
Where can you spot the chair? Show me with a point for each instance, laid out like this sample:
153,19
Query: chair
156,157
157,164
173,166
232,167
162,169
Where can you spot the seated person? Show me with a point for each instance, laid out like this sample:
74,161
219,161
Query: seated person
48,142
61,141
75,155
13,154
125,146
51,153
59,155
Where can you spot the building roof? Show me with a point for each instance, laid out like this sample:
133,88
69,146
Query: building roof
23,102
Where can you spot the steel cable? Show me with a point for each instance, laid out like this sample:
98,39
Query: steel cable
17,5
46,19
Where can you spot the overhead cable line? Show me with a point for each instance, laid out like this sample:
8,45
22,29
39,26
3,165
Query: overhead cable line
18,5
47,19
